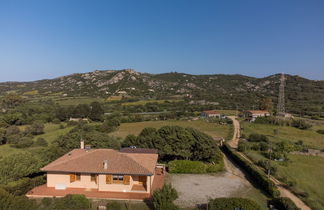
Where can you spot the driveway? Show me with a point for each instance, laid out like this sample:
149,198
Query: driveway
195,189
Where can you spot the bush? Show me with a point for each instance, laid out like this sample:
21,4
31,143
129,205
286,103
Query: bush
232,203
194,167
187,166
22,186
41,142
258,176
114,205
255,137
320,131
284,203
23,143
9,201
301,124
35,129
162,199
71,202
213,168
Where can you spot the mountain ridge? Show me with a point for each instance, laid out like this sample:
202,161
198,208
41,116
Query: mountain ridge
229,90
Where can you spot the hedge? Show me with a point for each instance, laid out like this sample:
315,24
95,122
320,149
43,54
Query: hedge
232,203
284,204
193,167
258,176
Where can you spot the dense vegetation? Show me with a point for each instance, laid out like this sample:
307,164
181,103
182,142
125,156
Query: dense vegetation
174,142
284,203
163,198
193,167
232,203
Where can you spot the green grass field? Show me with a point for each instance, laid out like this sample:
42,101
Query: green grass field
308,174
306,171
309,137
211,129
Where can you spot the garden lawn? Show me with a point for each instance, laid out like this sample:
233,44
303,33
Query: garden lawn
308,173
309,137
211,129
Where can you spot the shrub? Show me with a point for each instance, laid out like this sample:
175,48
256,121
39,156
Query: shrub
232,203
35,129
22,186
23,143
162,199
187,166
41,142
320,131
9,201
301,124
71,202
255,137
114,205
284,203
213,168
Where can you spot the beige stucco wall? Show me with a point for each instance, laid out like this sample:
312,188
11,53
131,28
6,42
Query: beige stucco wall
85,182
57,178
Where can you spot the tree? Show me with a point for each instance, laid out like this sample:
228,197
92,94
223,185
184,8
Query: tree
36,128
9,201
12,130
3,139
11,100
96,111
14,167
266,104
163,198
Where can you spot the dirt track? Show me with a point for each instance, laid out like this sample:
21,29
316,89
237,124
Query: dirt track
283,191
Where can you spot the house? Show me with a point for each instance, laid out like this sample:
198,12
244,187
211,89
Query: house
78,119
103,173
251,115
210,113
285,115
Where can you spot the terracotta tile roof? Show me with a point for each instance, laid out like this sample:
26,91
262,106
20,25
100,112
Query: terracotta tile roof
258,111
91,161
211,112
139,150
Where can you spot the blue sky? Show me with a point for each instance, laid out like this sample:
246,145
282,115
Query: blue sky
46,39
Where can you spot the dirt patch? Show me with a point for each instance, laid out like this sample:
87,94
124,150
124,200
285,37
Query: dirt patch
196,189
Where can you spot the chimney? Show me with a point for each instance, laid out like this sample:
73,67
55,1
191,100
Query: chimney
82,144
105,164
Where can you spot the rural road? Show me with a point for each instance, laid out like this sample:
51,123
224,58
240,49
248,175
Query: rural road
283,191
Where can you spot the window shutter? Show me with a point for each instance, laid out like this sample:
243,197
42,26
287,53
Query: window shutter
126,180
72,178
109,179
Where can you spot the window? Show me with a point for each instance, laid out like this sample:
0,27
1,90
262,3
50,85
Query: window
72,178
118,179
75,177
94,178
78,176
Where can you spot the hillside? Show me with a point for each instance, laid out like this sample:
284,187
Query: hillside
227,91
